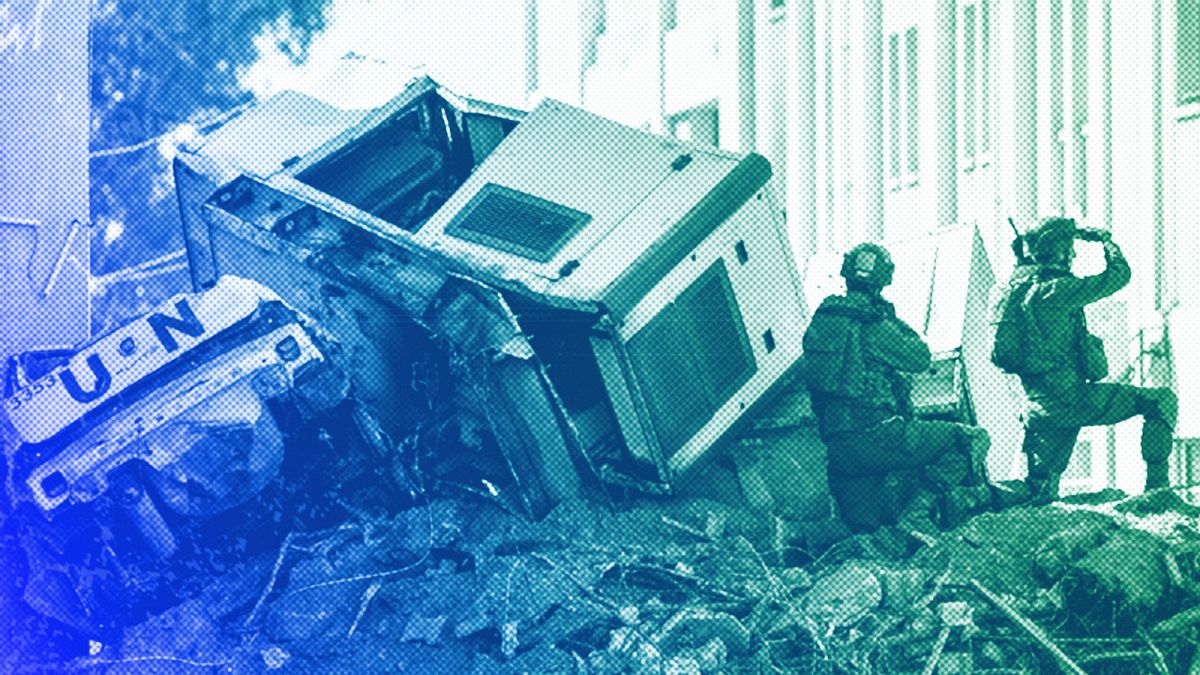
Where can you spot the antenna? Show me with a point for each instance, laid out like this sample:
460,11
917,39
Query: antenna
1013,225
1020,246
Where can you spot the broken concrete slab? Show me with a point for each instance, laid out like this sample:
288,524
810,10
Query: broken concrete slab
1121,584
843,597
697,626
313,617
188,631
427,629
1056,555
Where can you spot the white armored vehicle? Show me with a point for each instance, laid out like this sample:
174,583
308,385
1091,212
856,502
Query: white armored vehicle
535,306
612,302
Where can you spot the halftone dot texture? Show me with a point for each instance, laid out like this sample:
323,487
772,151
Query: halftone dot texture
881,121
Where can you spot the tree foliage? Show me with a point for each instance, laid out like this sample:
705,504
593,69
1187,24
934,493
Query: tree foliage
156,66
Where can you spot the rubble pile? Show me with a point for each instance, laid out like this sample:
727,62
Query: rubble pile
694,586
447,586
1074,587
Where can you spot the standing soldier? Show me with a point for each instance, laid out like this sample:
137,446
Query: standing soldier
885,468
1061,364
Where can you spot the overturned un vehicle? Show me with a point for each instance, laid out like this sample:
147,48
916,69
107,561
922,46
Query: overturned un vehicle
172,446
574,303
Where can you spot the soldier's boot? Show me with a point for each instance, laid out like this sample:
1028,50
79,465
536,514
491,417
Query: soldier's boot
1162,500
978,443
1046,464
1009,493
1043,488
964,464
1159,407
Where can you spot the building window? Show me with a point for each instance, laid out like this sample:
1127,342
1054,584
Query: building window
594,20
968,120
1187,51
1185,461
1080,466
893,108
531,46
696,125
974,55
902,106
985,76
913,98
1075,111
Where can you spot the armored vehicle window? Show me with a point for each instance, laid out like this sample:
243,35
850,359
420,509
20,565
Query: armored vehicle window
510,220
692,357
399,171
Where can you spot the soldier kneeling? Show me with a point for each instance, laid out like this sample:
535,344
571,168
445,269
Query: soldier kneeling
885,467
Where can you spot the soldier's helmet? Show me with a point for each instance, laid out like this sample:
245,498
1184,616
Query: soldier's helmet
868,265
1051,241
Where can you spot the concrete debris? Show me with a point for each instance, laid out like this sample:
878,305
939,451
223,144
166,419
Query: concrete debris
1121,584
712,656
697,626
844,597
1032,628
902,586
275,657
186,631
1054,557
508,639
629,615
682,665
1030,589
424,629
310,617
956,613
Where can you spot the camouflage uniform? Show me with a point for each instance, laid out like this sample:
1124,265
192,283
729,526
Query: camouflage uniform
886,468
1063,395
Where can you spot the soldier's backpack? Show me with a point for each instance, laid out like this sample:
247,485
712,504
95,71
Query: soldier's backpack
1010,320
833,354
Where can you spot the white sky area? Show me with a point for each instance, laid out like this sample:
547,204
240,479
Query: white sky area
475,48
